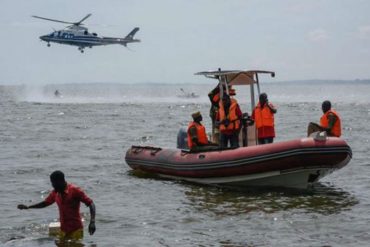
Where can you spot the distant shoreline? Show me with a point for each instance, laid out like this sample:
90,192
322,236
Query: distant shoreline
206,82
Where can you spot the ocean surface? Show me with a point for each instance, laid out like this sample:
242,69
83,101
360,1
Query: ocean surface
87,130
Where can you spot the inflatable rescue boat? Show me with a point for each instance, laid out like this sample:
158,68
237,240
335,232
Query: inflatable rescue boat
294,163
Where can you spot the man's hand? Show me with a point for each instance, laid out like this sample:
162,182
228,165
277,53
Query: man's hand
92,227
22,206
226,122
271,107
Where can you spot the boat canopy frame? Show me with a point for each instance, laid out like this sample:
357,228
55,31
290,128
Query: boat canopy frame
237,78
228,78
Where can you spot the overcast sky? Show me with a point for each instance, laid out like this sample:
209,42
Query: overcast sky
299,39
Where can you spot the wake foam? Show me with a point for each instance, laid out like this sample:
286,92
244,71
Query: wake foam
109,93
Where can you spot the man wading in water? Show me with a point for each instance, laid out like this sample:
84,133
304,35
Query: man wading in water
68,198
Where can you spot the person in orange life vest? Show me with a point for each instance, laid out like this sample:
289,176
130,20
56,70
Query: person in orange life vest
263,116
330,121
214,97
68,198
197,136
228,118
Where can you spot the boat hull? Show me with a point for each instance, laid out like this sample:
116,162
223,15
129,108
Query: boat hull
294,164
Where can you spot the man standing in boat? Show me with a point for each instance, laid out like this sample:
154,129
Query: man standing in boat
68,198
229,120
330,121
214,97
263,116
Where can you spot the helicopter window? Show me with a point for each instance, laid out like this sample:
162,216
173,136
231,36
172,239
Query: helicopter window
58,33
86,33
95,34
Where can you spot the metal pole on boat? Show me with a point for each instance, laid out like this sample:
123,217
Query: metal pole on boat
253,104
221,95
226,84
220,84
258,85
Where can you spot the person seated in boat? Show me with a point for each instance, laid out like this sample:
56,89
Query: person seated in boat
263,116
197,136
330,122
229,120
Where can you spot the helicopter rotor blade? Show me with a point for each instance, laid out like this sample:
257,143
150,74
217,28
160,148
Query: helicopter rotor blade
43,18
79,23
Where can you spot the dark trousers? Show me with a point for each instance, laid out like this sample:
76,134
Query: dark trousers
233,139
266,140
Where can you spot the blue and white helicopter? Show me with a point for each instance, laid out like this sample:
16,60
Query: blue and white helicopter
79,36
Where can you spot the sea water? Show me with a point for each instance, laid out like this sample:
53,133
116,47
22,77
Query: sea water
86,131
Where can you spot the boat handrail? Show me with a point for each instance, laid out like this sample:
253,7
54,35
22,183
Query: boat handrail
188,151
137,149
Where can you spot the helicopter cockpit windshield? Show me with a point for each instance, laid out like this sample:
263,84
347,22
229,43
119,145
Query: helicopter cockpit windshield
53,34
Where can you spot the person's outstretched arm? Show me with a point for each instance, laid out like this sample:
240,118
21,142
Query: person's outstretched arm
37,205
48,201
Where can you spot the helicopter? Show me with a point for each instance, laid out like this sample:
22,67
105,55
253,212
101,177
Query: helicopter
78,35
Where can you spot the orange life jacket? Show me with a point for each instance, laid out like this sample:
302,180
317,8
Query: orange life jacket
216,98
201,134
263,116
234,122
337,128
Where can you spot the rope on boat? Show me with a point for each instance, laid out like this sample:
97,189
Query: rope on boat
138,149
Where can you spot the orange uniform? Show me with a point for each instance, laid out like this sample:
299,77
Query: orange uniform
337,128
263,116
201,134
264,120
233,116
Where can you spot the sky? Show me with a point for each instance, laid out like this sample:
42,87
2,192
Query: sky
298,39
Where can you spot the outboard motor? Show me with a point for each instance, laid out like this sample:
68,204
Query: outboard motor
182,138
246,121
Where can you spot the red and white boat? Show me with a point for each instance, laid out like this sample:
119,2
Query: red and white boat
294,164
